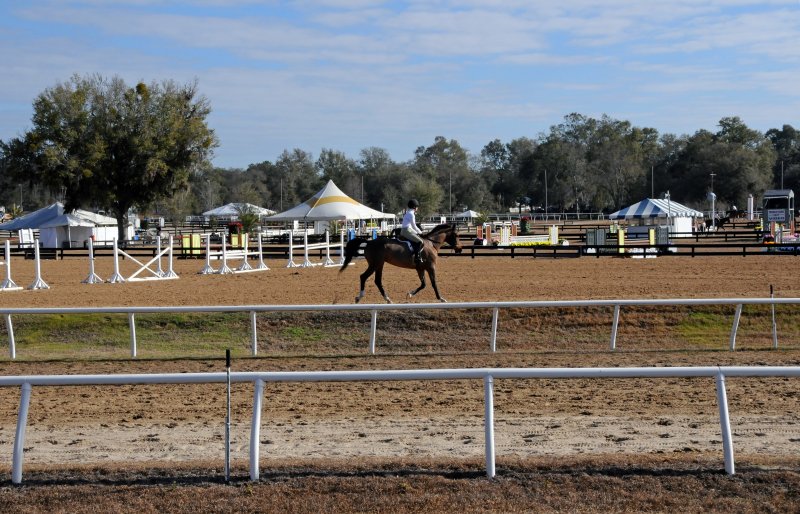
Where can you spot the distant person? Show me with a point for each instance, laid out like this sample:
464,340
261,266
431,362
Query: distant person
411,231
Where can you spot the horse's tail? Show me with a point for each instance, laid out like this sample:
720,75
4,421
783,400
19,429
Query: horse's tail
351,250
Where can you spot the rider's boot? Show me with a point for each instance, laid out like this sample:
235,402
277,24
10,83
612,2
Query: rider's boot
418,255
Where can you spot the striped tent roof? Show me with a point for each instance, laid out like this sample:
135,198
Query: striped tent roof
330,203
655,208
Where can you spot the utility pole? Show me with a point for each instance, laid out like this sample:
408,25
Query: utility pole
652,184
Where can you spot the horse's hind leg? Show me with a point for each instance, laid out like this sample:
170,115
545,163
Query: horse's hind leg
379,282
364,276
421,273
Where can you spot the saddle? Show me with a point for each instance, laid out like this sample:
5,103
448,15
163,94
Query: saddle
396,236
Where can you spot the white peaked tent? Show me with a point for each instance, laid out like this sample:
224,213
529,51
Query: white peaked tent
651,210
330,203
235,209
468,214
72,229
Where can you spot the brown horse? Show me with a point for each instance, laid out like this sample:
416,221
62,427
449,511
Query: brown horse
383,249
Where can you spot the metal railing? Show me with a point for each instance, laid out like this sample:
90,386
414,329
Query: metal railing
488,375
374,309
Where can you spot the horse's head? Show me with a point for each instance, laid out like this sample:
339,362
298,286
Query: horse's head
452,240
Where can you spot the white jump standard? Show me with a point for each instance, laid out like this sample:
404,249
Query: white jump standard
93,278
8,284
38,282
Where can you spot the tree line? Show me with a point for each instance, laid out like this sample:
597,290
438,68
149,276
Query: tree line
101,144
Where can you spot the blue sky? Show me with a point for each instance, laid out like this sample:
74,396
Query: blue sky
353,74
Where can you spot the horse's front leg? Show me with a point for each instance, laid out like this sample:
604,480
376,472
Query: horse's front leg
379,283
421,273
432,274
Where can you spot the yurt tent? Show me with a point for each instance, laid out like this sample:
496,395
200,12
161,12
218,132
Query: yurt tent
58,229
651,211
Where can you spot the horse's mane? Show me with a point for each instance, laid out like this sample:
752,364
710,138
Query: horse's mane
444,227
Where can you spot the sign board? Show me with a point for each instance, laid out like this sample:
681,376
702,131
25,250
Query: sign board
776,215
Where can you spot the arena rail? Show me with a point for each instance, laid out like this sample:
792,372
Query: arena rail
495,307
488,375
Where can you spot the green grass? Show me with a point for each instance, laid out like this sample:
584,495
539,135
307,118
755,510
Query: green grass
102,336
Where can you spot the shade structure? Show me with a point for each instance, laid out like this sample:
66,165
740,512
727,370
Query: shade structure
468,214
58,228
237,208
655,208
330,203
54,216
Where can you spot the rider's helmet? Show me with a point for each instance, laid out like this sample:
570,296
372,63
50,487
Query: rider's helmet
413,203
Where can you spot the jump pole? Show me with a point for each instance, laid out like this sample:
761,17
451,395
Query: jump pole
8,284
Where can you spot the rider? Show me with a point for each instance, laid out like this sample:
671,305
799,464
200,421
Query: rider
411,231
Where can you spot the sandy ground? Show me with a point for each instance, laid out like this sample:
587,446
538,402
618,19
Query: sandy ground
117,424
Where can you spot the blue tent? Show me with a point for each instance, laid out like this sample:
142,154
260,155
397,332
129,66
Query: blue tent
655,208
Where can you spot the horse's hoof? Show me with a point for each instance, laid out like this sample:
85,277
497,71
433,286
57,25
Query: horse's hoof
442,300
388,300
410,294
358,299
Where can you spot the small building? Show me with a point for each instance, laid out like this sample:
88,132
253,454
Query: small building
778,208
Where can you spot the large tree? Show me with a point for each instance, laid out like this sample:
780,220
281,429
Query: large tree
106,144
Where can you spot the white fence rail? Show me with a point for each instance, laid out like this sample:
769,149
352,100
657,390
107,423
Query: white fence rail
614,305
488,375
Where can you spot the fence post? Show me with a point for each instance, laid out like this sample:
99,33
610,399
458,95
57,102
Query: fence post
725,424
735,326
132,325
19,438
255,431
614,327
488,395
373,331
253,333
12,345
774,326
495,314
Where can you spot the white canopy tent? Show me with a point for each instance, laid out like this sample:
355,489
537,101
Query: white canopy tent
468,214
236,208
652,211
58,229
